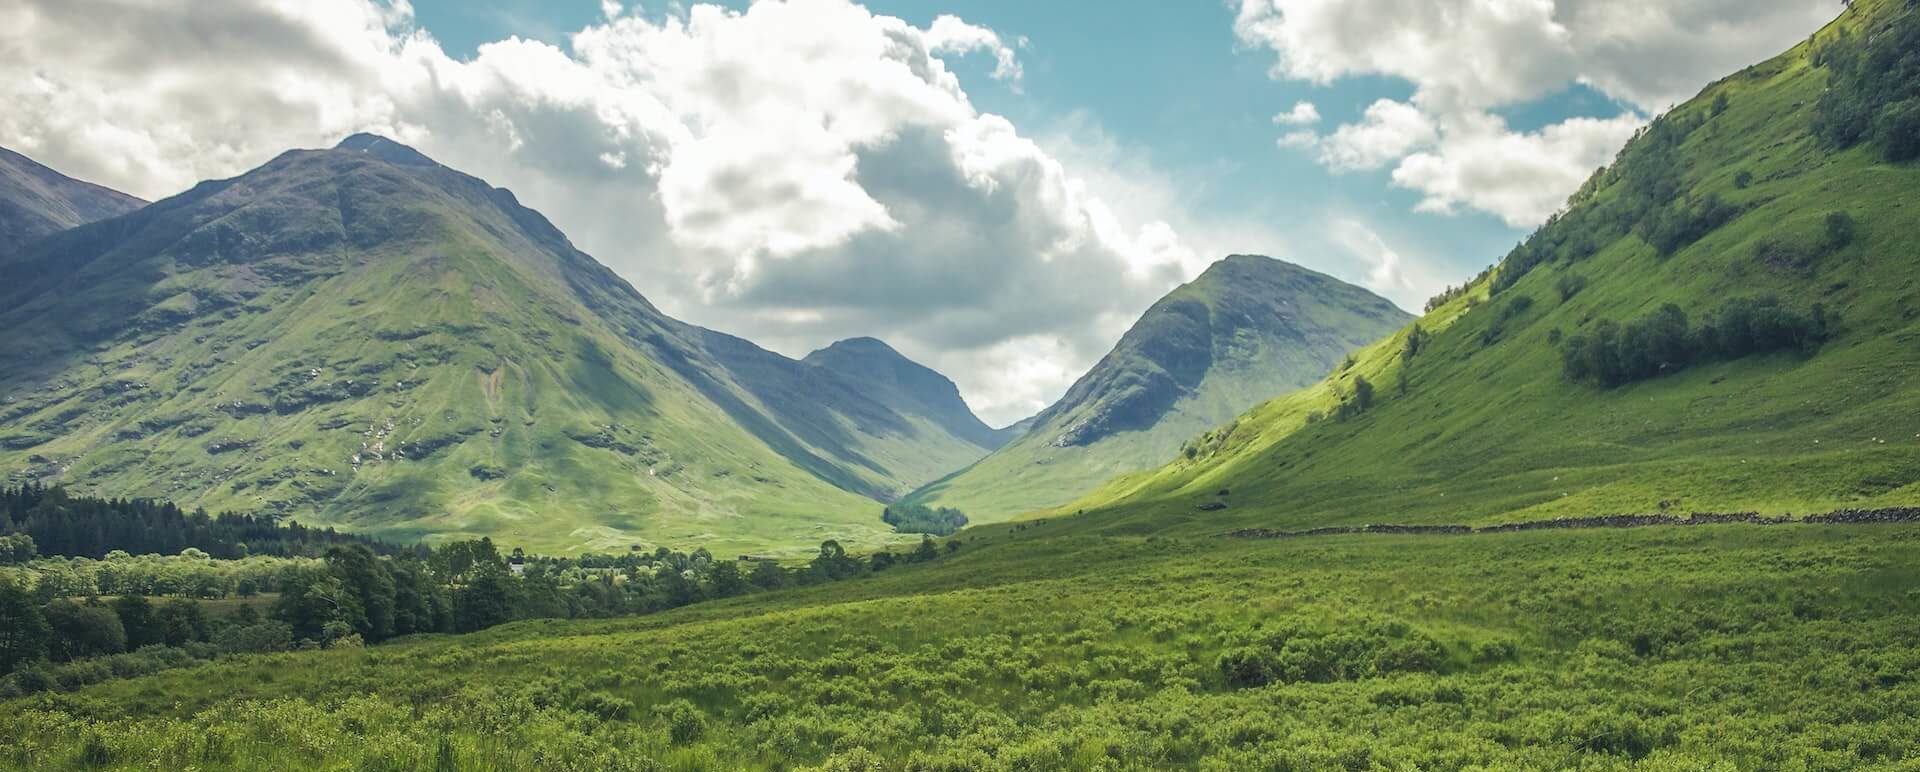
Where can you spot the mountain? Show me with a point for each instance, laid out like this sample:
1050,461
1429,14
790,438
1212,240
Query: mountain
362,337
1247,329
36,201
1727,318
906,386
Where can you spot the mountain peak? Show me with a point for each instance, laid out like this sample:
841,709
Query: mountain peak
862,345
37,201
905,385
384,149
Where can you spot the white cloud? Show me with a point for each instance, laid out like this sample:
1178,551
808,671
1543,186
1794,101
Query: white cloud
795,172
1468,57
1302,114
1388,131
1520,177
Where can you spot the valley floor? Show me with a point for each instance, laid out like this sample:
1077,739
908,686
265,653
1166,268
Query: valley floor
1710,647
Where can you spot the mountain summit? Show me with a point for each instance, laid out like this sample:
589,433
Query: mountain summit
36,201
360,336
1247,329
905,385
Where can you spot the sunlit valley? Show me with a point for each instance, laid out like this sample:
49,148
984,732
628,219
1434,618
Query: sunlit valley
874,388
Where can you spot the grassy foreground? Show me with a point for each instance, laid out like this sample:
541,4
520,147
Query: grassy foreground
1714,647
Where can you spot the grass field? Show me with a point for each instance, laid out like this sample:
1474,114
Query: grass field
1714,647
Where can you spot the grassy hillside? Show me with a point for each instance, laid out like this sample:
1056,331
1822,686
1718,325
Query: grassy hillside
1243,331
361,337
1729,198
1736,647
36,201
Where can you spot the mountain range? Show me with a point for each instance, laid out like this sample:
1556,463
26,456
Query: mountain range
362,337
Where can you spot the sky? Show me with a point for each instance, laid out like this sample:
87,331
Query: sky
998,188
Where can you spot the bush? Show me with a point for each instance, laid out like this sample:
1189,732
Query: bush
605,706
1247,667
684,722
1840,230
1570,285
1742,179
1897,131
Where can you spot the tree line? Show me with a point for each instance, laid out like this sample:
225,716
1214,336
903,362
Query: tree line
1873,90
37,520
1663,342
355,596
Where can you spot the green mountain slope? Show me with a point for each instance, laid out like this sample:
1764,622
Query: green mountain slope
36,201
360,336
1246,329
1715,404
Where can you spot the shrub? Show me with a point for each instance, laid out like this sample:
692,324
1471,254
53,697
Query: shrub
1570,285
1247,667
1898,131
606,706
1840,230
1742,179
684,722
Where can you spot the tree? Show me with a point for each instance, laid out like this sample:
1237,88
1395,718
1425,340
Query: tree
833,562
137,619
365,575
724,581
310,603
16,548
181,622
925,552
1898,131
484,601
767,575
81,631
23,627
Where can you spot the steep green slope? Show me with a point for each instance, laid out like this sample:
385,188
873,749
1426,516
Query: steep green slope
1246,329
1729,198
363,337
36,201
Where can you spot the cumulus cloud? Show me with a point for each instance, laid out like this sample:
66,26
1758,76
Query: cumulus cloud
1302,114
1521,177
1466,58
1388,131
794,172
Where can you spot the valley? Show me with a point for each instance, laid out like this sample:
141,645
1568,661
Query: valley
353,461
